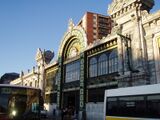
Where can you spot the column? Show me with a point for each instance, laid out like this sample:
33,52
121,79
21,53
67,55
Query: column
82,112
59,86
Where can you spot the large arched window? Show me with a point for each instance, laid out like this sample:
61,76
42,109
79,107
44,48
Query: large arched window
93,67
113,61
102,64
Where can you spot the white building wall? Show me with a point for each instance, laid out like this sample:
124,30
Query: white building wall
94,111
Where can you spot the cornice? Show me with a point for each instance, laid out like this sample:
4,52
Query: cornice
148,19
16,81
102,47
52,69
125,9
71,59
117,5
53,64
101,41
27,75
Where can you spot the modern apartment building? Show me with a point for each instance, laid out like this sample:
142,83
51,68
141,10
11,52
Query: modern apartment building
95,25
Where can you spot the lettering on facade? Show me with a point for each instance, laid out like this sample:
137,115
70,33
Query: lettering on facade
59,85
82,85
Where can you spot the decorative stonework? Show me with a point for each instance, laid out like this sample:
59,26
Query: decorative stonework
73,52
117,5
158,40
121,7
103,47
116,29
75,34
70,25
150,19
39,54
144,14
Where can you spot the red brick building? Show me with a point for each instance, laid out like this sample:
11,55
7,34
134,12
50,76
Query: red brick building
95,25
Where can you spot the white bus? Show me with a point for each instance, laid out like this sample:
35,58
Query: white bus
133,103
19,102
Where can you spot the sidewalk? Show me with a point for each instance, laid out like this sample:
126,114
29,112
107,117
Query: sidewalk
51,118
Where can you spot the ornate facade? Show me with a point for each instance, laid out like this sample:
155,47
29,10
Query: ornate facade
129,56
36,76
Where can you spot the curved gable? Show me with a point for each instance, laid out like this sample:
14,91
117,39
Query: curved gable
73,43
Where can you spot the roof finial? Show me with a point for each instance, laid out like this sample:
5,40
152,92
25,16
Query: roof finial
70,24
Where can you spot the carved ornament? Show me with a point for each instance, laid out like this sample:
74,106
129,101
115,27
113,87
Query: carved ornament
117,5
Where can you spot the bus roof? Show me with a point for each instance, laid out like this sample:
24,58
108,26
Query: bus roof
17,86
137,90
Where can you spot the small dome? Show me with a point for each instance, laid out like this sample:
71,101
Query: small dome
48,56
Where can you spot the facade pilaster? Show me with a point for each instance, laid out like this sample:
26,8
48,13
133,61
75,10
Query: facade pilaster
59,84
138,43
82,113
121,56
151,59
21,78
156,48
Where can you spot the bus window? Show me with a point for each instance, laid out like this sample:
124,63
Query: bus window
153,106
3,107
19,103
139,102
132,106
112,105
16,105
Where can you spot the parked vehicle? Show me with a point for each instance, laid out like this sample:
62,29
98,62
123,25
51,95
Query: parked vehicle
19,102
133,103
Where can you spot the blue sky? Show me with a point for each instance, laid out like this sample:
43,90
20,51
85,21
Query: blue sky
26,25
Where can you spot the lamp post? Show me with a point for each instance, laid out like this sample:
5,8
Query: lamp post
126,41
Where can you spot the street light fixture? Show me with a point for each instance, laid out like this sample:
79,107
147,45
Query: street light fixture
126,41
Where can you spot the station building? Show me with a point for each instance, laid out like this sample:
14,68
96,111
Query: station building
89,62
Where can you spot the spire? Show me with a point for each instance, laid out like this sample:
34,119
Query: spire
70,24
39,54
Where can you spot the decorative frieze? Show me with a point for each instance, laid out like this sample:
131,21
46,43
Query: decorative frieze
103,47
150,19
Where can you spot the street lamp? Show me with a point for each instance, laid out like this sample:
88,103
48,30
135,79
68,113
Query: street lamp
126,41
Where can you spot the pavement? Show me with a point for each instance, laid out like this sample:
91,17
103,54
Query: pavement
48,119
51,118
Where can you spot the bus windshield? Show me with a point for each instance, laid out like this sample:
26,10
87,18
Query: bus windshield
19,103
